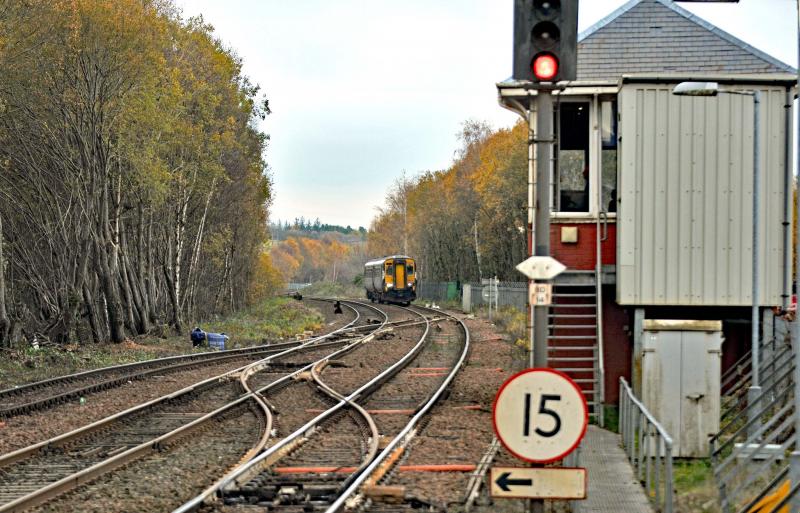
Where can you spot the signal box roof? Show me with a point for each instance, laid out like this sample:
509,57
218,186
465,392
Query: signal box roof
658,36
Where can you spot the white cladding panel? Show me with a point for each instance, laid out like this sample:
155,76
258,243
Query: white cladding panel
685,188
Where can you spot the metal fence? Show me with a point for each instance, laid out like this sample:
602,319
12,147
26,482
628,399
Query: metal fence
475,296
648,446
438,291
757,431
510,294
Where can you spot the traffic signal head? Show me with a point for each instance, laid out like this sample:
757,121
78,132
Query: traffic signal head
545,40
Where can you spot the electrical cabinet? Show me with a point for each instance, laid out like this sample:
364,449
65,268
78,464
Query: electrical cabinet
681,381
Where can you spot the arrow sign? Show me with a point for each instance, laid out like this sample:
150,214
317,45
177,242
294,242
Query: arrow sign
538,483
504,481
541,268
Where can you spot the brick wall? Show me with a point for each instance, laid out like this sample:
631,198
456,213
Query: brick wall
581,255
617,344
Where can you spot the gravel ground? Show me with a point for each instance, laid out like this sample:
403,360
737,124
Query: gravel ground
413,385
333,321
290,403
26,475
455,435
23,430
166,480
29,395
369,360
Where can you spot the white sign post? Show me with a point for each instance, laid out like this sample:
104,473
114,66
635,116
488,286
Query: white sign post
540,415
542,483
541,293
541,267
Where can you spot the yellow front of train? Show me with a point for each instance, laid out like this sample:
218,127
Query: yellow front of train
400,279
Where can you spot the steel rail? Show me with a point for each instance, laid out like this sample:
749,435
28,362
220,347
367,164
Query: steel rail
17,390
274,453
70,436
408,432
258,394
374,440
85,475
155,366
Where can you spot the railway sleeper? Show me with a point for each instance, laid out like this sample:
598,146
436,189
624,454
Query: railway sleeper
288,493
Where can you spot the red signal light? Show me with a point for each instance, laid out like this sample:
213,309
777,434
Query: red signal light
545,67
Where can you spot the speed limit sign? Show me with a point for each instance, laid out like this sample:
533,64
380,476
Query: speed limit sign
540,415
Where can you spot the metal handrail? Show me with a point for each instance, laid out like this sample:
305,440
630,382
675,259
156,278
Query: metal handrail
774,377
762,407
648,447
601,374
758,431
745,379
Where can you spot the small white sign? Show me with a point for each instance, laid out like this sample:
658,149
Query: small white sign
538,483
541,294
541,268
540,415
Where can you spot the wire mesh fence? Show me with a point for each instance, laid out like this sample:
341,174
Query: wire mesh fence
475,296
509,294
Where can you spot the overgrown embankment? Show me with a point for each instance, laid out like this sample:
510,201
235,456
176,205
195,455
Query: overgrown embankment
270,320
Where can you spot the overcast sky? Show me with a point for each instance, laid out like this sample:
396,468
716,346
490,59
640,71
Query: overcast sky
363,89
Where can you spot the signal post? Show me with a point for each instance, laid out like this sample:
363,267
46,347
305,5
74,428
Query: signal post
545,53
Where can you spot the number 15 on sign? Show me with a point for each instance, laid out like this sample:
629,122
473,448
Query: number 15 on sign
540,415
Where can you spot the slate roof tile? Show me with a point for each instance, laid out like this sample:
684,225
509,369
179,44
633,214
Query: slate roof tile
654,35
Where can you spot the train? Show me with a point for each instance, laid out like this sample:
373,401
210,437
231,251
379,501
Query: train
392,279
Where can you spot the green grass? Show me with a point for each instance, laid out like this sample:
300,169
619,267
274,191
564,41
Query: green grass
512,322
694,486
611,418
275,318
28,365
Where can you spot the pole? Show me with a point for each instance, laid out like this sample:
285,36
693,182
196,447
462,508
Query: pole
794,465
754,391
544,145
531,196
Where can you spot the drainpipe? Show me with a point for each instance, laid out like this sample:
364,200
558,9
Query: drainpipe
787,204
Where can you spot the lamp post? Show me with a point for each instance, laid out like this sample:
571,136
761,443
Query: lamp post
712,89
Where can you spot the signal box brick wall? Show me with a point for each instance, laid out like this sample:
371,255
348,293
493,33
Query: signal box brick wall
617,344
581,255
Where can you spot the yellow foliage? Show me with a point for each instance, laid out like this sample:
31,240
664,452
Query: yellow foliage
267,279
304,256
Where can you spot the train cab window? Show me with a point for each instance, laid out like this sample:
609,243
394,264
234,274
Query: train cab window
409,269
572,180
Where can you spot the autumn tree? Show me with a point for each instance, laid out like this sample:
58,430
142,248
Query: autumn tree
464,222
133,184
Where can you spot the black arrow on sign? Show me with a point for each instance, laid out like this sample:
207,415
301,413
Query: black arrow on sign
504,482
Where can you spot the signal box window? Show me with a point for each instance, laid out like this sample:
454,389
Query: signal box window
608,155
573,157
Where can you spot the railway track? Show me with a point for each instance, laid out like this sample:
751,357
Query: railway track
316,468
51,392
37,473
184,444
